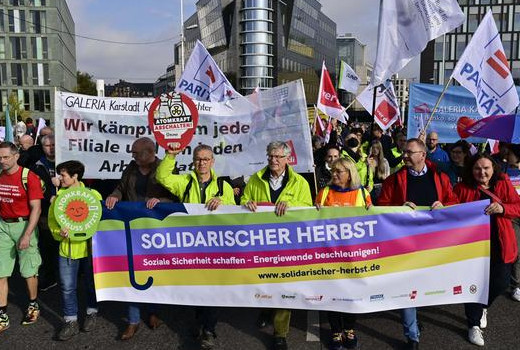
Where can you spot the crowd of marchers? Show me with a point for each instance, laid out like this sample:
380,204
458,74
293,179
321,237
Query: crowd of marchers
358,165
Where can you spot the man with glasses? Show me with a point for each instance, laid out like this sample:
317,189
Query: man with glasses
435,152
279,185
418,183
138,184
20,208
200,186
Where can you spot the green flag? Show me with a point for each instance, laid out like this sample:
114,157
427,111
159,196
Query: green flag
9,135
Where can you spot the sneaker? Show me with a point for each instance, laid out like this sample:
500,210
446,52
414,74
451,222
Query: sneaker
90,322
336,342
483,319
68,330
515,295
475,336
280,343
45,286
32,314
4,322
350,340
207,340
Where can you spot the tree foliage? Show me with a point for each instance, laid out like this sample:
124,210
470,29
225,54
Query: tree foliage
85,84
16,108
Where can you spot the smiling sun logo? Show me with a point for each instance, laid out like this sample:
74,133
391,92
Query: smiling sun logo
77,210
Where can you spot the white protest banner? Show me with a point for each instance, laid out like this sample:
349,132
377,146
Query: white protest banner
387,109
483,69
99,131
405,27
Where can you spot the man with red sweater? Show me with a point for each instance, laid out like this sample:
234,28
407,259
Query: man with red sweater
418,183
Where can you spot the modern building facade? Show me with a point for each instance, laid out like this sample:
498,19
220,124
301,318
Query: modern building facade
265,43
402,89
507,19
353,52
37,53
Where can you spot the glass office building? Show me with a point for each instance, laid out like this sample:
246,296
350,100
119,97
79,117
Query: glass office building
265,43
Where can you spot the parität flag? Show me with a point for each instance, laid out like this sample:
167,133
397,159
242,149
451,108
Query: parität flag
328,101
406,27
483,69
203,80
386,109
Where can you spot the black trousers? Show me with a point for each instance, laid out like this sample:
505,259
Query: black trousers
499,277
340,321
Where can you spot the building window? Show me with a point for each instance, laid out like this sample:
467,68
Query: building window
42,100
2,48
38,22
16,21
2,28
18,48
3,74
39,48
19,74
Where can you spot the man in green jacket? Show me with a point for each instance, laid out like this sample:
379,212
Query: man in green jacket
200,186
279,185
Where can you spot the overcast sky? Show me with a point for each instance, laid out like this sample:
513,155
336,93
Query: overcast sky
138,21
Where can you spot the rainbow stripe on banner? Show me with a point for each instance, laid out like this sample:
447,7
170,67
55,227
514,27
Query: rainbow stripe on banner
348,259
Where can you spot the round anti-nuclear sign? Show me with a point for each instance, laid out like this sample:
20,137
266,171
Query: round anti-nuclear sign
173,118
79,210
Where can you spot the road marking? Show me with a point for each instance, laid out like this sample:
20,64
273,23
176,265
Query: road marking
313,326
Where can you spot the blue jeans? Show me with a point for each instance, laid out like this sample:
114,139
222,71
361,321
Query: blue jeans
69,269
134,312
409,321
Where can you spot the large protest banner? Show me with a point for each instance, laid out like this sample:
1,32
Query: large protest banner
457,102
345,259
99,131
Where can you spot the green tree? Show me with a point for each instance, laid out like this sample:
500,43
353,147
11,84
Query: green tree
85,84
16,109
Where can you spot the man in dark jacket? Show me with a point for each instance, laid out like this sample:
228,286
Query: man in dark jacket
138,184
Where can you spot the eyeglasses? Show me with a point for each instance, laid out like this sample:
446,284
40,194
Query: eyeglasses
202,160
409,153
275,156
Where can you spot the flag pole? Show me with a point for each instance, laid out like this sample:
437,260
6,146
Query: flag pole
437,104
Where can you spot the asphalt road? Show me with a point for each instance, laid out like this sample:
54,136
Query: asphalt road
444,328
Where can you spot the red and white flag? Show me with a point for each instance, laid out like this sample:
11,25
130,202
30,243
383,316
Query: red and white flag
387,109
328,101
202,79
328,131
483,69
319,128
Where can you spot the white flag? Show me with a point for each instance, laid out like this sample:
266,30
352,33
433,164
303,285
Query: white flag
203,80
483,69
406,27
348,79
387,109
328,101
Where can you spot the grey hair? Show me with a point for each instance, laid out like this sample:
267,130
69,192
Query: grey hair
202,147
279,145
49,137
419,142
